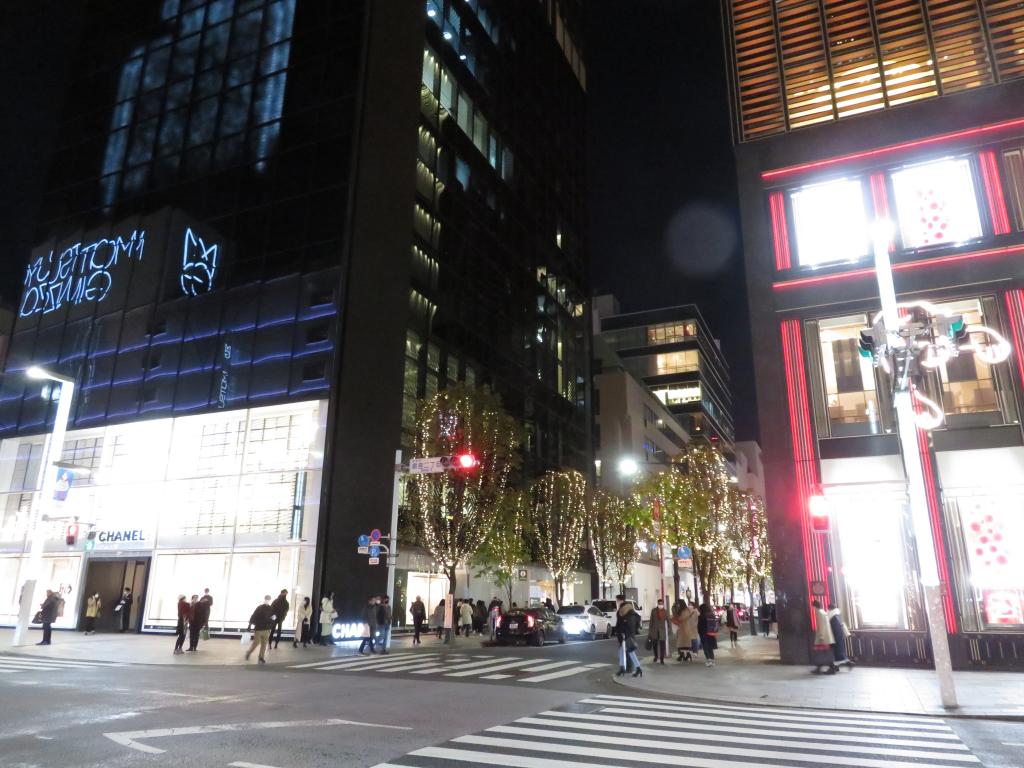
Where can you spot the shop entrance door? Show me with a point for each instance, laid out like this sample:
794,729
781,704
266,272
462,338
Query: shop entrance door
109,578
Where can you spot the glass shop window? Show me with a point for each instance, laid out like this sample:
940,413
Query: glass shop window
850,388
937,203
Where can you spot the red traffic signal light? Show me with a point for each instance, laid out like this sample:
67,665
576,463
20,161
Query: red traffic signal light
71,535
466,461
818,507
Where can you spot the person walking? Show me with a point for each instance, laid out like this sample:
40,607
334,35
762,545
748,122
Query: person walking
369,625
466,617
48,615
839,635
618,631
479,617
93,606
124,609
385,617
707,631
824,642
437,620
686,631
194,623
628,626
418,611
184,619
303,619
765,614
200,621
732,623
280,606
262,623
657,632
207,601
327,617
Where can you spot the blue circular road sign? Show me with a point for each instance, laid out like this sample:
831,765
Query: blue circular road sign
363,540
374,551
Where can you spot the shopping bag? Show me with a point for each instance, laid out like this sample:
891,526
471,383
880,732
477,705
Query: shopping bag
246,638
205,633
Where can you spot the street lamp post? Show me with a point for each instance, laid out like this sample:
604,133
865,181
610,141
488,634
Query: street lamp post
912,458
46,481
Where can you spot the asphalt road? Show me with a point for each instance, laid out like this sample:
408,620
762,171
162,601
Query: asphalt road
351,712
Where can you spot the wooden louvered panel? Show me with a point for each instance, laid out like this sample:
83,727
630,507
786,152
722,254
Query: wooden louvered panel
906,59
1005,20
804,63
959,43
851,48
757,68
1013,162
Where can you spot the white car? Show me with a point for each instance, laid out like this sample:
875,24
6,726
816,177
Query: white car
585,621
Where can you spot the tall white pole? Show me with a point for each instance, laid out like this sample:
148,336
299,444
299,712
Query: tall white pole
927,562
47,480
393,539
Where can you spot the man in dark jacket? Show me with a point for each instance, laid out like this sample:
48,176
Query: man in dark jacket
184,619
262,622
280,606
124,607
48,612
384,619
200,615
419,615
370,625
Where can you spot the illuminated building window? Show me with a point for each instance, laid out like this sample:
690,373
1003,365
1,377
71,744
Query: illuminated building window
937,203
872,549
678,395
677,362
668,333
851,398
988,547
831,222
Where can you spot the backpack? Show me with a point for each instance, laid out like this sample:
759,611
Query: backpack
712,624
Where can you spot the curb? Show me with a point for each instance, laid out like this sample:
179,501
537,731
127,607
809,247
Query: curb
1001,716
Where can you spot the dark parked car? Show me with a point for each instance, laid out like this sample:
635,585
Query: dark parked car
535,626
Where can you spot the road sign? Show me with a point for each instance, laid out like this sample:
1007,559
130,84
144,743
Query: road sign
374,551
362,550
429,466
684,552
375,534
522,574
374,561
363,540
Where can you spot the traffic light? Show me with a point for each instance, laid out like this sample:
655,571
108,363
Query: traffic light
818,508
958,331
90,541
466,461
71,535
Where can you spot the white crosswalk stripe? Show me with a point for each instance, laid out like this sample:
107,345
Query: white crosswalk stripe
457,665
622,731
11,665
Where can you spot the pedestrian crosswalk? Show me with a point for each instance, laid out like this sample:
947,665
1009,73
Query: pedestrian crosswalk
632,731
457,666
11,665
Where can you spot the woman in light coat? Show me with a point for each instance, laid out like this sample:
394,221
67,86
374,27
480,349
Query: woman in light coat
303,617
823,640
93,606
686,631
327,617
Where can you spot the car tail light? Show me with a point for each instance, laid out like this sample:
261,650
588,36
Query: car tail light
529,620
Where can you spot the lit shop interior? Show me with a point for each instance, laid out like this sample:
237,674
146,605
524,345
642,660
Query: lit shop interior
225,501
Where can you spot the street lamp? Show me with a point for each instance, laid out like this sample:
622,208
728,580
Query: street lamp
628,467
46,481
906,421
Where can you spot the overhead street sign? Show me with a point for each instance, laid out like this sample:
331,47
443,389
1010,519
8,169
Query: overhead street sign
429,465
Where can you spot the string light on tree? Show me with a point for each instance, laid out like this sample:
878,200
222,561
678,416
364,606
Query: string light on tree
559,519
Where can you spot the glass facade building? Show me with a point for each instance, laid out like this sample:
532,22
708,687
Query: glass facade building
262,233
905,115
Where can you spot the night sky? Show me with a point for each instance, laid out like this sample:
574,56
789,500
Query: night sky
663,218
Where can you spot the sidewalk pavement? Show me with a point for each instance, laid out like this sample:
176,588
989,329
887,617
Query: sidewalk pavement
133,648
752,674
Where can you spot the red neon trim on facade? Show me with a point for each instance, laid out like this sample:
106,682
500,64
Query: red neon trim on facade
1015,311
805,464
881,152
880,200
994,192
902,266
780,231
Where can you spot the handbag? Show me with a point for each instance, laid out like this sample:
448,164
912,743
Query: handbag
649,644
38,618
246,638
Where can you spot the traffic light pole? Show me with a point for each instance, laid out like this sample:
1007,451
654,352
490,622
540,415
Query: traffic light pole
916,489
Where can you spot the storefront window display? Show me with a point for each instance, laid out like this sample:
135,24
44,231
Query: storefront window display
227,501
849,378
873,550
937,203
989,557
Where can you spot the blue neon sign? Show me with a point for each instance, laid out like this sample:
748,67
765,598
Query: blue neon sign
198,265
79,273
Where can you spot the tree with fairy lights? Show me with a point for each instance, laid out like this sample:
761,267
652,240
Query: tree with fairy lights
455,510
612,538
559,517
708,481
749,533
505,548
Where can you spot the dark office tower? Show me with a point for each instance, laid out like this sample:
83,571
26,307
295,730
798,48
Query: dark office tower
268,225
865,128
